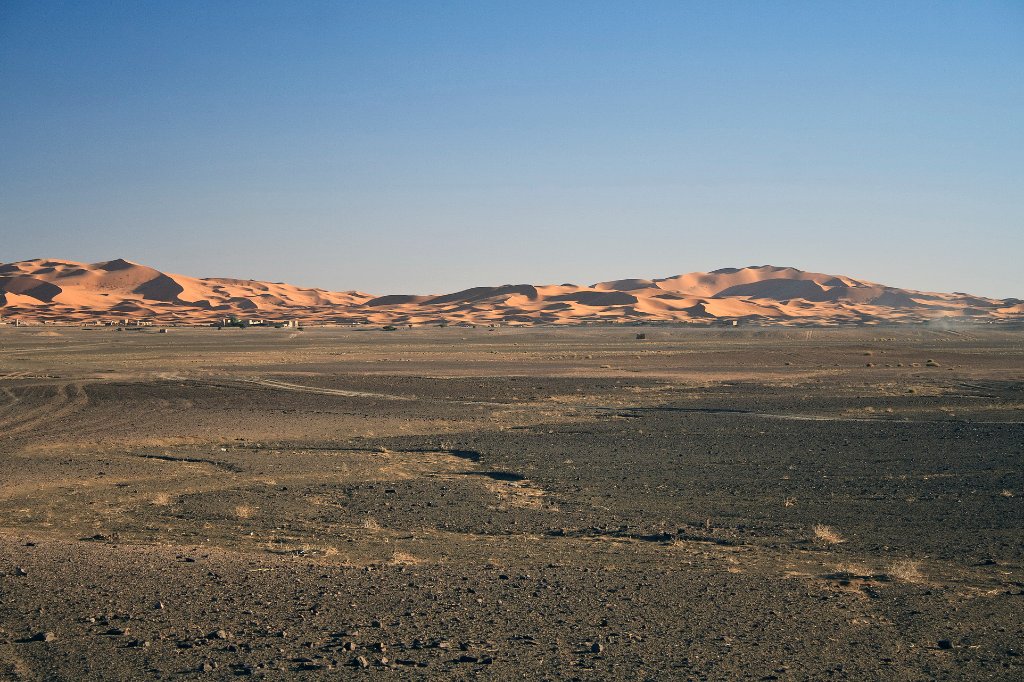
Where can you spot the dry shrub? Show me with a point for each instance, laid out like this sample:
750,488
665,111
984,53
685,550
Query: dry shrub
828,535
906,570
403,559
244,511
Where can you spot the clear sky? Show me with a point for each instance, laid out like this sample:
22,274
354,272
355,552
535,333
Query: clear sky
429,146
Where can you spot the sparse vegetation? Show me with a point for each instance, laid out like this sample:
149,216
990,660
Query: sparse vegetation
827,535
245,511
906,571
403,559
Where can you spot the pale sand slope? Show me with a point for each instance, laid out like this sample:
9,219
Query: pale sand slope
64,291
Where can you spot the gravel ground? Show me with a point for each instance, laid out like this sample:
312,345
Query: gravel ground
512,504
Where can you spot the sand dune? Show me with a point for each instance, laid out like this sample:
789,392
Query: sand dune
64,291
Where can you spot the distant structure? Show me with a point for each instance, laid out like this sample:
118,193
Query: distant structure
126,322
235,321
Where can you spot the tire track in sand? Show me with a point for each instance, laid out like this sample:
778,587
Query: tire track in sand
67,399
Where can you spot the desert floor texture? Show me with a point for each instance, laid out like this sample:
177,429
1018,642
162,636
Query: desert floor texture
571,503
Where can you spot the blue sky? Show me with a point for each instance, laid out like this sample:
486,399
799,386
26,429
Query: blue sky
431,146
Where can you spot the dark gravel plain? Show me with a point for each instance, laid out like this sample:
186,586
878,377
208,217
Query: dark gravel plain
562,504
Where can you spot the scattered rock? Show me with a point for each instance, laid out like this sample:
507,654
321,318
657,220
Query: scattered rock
945,644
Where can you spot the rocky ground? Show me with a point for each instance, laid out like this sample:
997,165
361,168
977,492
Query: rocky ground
512,504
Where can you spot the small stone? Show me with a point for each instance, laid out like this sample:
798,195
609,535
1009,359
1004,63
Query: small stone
19,571
360,662
349,646
945,644
43,637
597,648
219,634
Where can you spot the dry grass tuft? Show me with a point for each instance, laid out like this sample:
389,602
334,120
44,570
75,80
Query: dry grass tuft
404,559
1006,493
789,502
244,511
370,523
828,535
906,570
161,499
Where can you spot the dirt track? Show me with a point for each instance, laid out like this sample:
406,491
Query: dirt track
561,504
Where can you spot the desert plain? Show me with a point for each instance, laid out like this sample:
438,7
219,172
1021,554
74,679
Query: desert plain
496,503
